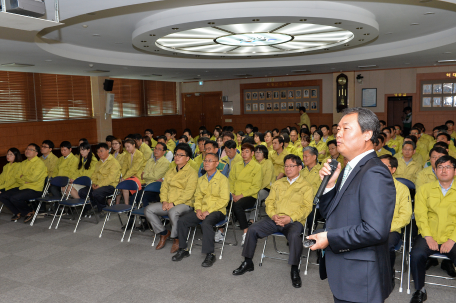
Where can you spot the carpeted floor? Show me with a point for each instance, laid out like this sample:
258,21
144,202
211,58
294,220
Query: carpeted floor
42,265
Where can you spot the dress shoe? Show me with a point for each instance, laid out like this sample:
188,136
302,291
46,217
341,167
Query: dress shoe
181,253
175,246
209,261
448,266
418,297
295,279
162,241
29,216
16,217
431,262
245,267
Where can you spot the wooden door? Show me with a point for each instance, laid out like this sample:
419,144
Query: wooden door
204,109
192,112
212,109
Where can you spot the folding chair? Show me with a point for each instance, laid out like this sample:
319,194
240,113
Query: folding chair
262,194
165,219
224,223
57,181
121,208
1,207
401,247
73,203
139,211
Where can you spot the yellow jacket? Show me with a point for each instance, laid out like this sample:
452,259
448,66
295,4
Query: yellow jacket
86,172
304,120
133,168
403,208
146,152
339,159
394,144
267,170
312,176
107,172
416,156
293,200
270,148
212,195
51,163
384,151
153,142
297,145
435,214
292,150
66,167
277,160
155,170
121,157
236,159
171,145
321,146
426,175
192,163
33,173
246,180
9,176
179,187
409,171
199,160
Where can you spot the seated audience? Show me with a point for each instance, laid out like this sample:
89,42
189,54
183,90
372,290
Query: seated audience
444,137
319,145
150,133
397,134
176,197
333,153
436,221
66,167
132,167
249,130
169,140
287,206
232,156
305,141
212,148
142,146
312,167
48,157
416,156
259,139
422,142
325,131
211,199
277,156
379,146
294,138
408,168
402,210
86,167
109,139
427,174
9,176
239,137
389,139
200,148
30,177
267,168
117,151
450,125
286,143
169,154
268,140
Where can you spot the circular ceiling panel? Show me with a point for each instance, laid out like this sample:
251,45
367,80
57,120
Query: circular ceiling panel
254,39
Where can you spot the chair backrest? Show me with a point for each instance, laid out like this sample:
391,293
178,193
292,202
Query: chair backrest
60,181
84,180
153,187
127,184
407,183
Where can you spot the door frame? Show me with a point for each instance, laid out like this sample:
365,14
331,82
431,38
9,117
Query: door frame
183,95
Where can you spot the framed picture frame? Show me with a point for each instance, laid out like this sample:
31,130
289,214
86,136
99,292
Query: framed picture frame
276,106
268,107
254,95
262,108
369,97
306,93
426,101
437,88
427,89
314,93
437,102
283,106
268,95
248,107
248,96
298,94
276,94
448,101
306,105
255,107
313,105
447,88
261,96
297,106
291,94
291,106
283,94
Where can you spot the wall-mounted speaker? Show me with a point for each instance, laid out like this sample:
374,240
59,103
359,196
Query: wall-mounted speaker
107,85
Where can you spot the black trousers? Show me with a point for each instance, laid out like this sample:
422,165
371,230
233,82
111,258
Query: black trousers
56,191
239,208
419,255
393,239
207,226
17,200
97,196
340,301
266,227
148,197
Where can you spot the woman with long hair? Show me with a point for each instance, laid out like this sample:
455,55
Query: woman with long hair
132,167
117,150
8,179
86,166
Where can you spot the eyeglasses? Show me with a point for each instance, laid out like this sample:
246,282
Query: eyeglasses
30,149
209,161
258,152
289,166
159,149
180,155
445,167
44,146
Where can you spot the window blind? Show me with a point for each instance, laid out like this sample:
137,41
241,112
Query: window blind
128,98
17,100
160,98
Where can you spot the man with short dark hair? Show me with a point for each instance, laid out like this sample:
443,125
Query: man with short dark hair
304,118
277,156
249,130
408,168
168,154
436,220
333,153
30,176
444,137
143,147
169,141
109,139
150,133
66,167
48,157
379,146
312,167
232,155
428,175
389,139
450,125
287,206
211,147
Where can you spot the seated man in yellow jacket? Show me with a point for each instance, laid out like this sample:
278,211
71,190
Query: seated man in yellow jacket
310,174
333,153
48,157
232,155
435,217
176,197
66,167
169,140
416,156
287,206
142,146
402,210
104,178
444,137
277,156
379,146
408,168
427,174
30,177
211,199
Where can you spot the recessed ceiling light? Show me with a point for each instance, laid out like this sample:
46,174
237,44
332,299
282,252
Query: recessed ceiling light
96,35
222,56
211,23
447,61
152,35
414,24
366,34
48,60
255,20
156,50
326,49
429,13
359,28
17,65
146,45
302,20
346,44
197,55
143,41
85,26
175,28
338,23
361,40
253,52
367,66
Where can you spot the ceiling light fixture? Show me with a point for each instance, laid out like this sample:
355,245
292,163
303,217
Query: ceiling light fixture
366,34
446,61
255,20
175,28
367,66
85,26
429,13
210,23
96,35
143,41
361,40
302,20
338,23
17,65
359,28
152,35
414,24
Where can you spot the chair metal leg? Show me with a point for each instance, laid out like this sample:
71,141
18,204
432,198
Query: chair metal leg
60,217
409,251
403,257
193,238
104,223
224,238
36,214
132,227
53,218
126,225
80,215
311,231
262,254
1,207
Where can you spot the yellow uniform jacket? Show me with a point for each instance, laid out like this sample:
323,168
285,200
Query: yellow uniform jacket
146,152
246,180
9,176
31,174
155,170
312,176
133,168
106,173
66,167
403,209
277,160
304,119
51,163
86,172
212,195
409,171
267,170
321,146
426,175
179,187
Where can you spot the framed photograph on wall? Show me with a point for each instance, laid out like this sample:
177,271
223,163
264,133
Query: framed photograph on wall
448,101
313,93
298,94
268,107
276,94
283,106
306,93
447,88
427,89
261,107
298,105
268,95
306,105
313,106
248,96
255,96
261,95
248,107
276,106
437,88
427,102
437,102
290,105
369,97
283,94
291,94
255,107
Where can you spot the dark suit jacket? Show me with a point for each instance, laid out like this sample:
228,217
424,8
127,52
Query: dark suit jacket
358,222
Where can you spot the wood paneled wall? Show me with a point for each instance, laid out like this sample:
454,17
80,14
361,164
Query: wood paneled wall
21,134
122,127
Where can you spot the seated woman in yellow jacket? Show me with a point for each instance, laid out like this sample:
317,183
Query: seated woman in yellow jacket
245,182
132,166
259,139
305,141
267,168
117,151
333,153
319,145
86,167
239,137
8,182
268,140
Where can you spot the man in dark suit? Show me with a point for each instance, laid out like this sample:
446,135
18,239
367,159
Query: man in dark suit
358,204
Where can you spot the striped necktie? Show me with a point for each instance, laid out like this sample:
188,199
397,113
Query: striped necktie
346,172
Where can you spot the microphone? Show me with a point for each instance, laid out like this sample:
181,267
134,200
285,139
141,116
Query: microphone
324,183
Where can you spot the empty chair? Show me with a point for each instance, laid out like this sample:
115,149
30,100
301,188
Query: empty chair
56,181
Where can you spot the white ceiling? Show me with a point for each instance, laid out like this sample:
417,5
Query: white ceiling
70,48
